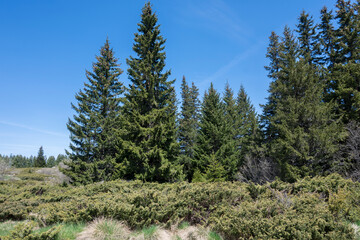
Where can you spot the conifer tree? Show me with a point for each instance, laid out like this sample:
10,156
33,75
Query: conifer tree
304,133
211,129
149,147
308,44
51,162
93,128
228,152
344,79
40,160
247,129
347,36
188,126
215,145
326,38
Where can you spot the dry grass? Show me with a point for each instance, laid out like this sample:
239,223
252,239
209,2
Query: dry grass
105,229
108,229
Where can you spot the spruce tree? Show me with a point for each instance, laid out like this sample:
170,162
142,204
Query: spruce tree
51,162
188,126
326,38
211,134
344,78
214,145
305,134
308,44
246,125
228,152
149,147
96,122
347,36
40,160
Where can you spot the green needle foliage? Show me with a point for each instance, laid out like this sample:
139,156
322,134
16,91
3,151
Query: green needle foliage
246,125
215,145
94,127
40,159
188,127
149,147
304,134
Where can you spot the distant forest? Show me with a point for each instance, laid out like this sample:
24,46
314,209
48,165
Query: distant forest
310,124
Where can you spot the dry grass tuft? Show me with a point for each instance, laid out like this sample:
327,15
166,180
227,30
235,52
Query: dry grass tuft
105,229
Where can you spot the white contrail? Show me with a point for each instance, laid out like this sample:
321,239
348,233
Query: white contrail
33,129
235,61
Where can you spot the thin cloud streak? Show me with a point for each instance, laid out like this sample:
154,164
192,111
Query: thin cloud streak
235,61
33,129
220,17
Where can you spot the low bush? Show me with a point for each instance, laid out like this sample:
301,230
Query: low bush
25,231
312,208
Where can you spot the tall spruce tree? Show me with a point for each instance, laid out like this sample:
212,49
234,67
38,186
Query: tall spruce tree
214,146
246,125
40,160
228,152
326,38
188,127
344,78
149,147
309,46
94,126
305,134
211,134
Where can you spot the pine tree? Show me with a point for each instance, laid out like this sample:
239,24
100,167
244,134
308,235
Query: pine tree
188,126
40,160
93,129
149,148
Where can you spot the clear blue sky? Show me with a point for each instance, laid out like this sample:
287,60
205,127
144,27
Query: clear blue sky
45,47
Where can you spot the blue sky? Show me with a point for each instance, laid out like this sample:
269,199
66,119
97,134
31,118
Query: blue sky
47,45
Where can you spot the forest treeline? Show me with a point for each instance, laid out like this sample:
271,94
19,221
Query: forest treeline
310,124
20,161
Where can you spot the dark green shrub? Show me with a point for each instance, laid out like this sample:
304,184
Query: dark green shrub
312,208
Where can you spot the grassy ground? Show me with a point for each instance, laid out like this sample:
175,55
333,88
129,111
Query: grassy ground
69,231
107,229
6,227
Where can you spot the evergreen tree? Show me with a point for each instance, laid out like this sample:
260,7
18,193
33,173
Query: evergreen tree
215,171
93,130
285,57
50,162
326,38
40,160
60,158
188,126
211,134
347,36
273,54
309,44
214,144
149,146
228,152
344,79
247,129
